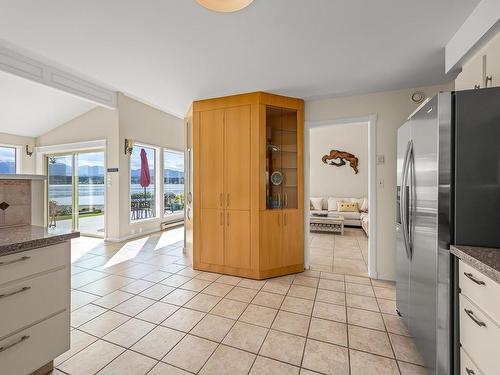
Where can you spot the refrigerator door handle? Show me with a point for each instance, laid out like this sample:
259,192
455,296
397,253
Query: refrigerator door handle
403,205
411,200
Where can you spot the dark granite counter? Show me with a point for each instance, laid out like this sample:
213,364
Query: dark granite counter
485,260
27,237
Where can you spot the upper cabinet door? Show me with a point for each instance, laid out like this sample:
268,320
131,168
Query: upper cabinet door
211,158
237,158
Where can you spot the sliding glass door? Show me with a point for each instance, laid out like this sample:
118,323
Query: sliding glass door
76,192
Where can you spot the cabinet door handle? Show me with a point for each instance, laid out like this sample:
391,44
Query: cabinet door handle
279,220
285,219
4,348
24,289
221,198
473,317
469,371
227,218
474,279
227,200
15,261
221,219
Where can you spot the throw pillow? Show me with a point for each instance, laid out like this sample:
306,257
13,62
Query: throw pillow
317,203
347,207
364,206
333,203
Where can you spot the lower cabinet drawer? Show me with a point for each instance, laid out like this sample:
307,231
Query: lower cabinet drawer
30,349
467,367
24,264
26,302
479,336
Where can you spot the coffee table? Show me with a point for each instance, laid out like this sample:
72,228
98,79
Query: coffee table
332,224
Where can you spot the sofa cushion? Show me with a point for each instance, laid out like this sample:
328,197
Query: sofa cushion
347,207
346,215
316,203
333,201
364,205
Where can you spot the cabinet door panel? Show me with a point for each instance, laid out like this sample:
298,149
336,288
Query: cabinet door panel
211,158
271,223
237,158
293,237
212,237
237,239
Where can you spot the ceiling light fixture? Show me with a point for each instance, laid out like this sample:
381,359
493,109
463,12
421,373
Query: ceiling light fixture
225,6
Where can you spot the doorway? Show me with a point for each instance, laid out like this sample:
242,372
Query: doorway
76,191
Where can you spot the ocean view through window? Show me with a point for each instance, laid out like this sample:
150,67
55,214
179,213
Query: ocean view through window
7,159
173,182
142,197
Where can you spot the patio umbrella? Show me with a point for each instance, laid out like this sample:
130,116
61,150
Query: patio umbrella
145,179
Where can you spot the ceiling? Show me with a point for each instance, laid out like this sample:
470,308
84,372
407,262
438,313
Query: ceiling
170,52
32,109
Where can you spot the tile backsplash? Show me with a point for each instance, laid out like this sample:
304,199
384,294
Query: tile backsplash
15,202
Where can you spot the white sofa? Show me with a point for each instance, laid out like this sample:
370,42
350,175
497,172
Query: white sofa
328,205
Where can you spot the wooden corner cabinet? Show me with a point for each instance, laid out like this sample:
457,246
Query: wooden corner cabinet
246,214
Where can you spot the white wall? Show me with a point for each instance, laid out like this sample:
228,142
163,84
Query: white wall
392,108
329,180
26,163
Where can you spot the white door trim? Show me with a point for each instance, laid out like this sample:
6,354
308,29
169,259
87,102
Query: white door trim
371,121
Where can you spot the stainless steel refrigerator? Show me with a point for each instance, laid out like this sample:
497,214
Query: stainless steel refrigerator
448,177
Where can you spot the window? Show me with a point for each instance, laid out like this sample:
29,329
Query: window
142,190
7,159
173,182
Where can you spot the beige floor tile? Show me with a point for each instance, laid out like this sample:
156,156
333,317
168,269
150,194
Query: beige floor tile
229,280
157,312
213,327
173,268
189,272
175,280
129,332
276,287
359,289
330,296
157,276
252,284
157,291
321,260
268,300
113,299
369,340
165,369
242,294
349,266
85,313
229,308
106,285
91,359
79,341
283,347
137,286
304,371
179,297
158,342
228,361
387,306
196,285
258,315
246,336
362,302
405,349
329,311
296,324
321,251
203,302
286,279
301,291
266,366
365,318
386,293
134,305
395,324
306,281
369,364
335,285
190,353
79,299
328,331
326,358
410,369
321,268
86,277
208,276
297,305
332,276
104,323
218,289
348,253
183,319
384,284
129,363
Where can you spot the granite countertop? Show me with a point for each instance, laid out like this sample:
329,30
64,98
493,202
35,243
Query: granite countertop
26,237
484,259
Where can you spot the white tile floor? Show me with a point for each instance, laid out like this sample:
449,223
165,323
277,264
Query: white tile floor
138,308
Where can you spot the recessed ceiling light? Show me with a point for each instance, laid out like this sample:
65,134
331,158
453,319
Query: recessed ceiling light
224,5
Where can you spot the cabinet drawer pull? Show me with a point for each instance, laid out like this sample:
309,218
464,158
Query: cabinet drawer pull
474,319
469,371
221,198
22,259
23,289
4,348
473,278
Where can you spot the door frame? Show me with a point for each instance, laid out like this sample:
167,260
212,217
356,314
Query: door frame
371,121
